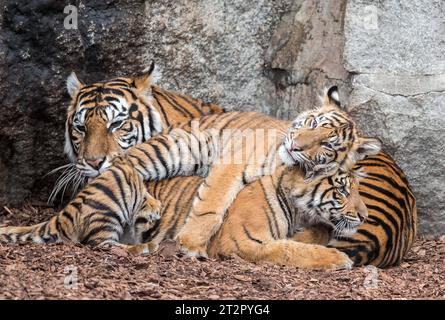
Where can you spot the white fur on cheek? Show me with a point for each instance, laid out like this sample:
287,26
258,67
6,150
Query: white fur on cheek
285,156
68,148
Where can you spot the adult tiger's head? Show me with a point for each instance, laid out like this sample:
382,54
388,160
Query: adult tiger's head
104,119
324,135
331,198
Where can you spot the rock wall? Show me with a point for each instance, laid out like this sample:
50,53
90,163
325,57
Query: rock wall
395,54
270,56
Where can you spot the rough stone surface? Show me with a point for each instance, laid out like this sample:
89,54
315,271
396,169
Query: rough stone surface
270,56
394,50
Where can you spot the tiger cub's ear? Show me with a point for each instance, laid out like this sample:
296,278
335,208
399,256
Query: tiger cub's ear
73,84
367,147
143,82
332,97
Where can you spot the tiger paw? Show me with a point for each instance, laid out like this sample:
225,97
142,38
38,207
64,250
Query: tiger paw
337,260
148,215
152,208
191,248
142,248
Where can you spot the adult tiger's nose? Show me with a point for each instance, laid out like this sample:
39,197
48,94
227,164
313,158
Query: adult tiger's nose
96,163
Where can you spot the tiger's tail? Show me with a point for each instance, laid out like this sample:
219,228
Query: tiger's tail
46,232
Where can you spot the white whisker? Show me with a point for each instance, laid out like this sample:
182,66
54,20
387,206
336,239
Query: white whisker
66,167
68,176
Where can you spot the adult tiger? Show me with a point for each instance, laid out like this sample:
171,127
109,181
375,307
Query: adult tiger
117,201
104,119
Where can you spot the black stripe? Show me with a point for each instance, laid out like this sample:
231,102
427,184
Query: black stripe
109,193
271,211
161,108
86,240
193,103
118,181
160,159
177,106
250,237
390,195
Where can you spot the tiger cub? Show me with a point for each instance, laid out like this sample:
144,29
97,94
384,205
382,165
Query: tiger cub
261,220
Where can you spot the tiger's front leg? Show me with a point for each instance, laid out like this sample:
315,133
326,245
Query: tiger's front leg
317,234
143,218
146,217
214,197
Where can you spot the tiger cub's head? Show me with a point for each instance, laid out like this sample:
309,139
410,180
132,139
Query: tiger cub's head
331,198
321,136
106,118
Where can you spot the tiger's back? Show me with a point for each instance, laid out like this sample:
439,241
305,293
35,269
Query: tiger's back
390,228
175,107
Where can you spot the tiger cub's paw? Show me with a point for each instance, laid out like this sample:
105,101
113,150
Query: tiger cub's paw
142,248
151,209
190,248
147,216
337,260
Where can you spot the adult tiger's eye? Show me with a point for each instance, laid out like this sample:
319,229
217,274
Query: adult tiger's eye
116,124
80,128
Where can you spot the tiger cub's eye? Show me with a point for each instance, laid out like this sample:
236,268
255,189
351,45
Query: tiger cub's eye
343,191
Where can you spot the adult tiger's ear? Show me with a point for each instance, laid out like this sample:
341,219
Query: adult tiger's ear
367,147
332,97
143,82
73,84
321,171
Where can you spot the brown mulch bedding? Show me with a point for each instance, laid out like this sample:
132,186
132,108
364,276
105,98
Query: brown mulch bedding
43,272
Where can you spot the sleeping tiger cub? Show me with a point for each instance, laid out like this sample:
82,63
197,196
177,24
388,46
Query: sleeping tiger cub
261,220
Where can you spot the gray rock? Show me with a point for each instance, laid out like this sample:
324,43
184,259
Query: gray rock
395,50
